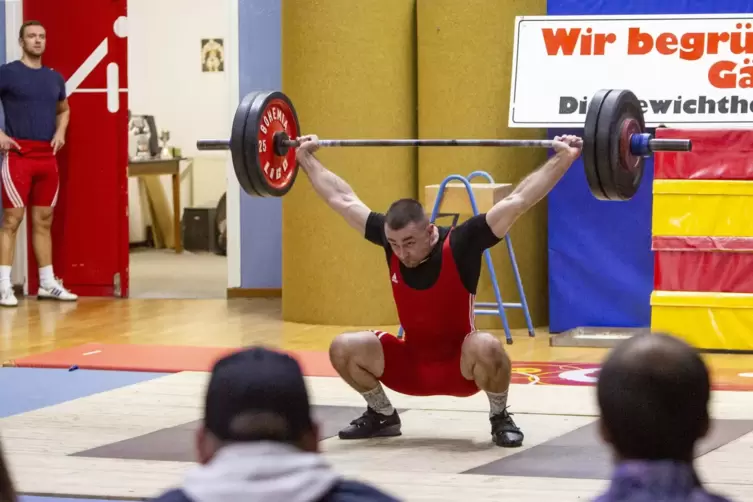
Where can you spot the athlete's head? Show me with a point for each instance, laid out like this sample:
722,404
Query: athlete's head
32,38
653,393
409,232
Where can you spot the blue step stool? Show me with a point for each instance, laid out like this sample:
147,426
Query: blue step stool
487,308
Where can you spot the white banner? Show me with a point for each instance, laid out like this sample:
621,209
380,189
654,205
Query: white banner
687,70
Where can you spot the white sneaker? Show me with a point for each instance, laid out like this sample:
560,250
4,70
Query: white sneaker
56,291
8,298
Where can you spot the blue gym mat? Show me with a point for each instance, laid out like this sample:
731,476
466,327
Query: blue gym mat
27,389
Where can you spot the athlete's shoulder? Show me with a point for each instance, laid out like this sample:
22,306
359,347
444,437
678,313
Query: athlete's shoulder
374,231
473,235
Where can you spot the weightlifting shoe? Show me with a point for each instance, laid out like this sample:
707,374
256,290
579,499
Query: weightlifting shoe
8,297
372,425
504,431
55,291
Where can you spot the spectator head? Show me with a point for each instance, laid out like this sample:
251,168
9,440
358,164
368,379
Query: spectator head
254,395
653,393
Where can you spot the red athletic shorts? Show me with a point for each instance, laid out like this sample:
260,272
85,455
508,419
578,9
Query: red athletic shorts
408,370
30,177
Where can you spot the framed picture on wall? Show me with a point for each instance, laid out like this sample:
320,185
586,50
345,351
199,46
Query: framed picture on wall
212,55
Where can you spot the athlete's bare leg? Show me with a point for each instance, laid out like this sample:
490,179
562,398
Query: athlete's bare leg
484,360
359,359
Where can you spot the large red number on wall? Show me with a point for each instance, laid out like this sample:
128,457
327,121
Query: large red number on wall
86,42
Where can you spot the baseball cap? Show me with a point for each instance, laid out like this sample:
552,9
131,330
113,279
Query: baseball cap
257,394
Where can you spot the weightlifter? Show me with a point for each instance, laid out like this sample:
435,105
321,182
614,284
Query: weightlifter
434,273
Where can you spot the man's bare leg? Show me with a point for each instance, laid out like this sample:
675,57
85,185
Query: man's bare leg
359,360
41,237
12,218
41,241
485,361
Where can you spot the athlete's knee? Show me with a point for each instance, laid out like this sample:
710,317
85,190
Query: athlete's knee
361,348
41,218
12,218
484,349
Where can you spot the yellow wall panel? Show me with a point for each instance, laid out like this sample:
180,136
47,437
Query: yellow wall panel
349,68
465,52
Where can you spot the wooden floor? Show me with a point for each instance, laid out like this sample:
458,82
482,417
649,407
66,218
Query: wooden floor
58,449
36,327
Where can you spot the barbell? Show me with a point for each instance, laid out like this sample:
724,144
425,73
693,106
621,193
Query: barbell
615,144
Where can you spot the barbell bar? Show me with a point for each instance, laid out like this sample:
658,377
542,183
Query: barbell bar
615,144
654,145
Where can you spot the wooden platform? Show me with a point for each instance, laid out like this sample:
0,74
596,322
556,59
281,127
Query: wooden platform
131,441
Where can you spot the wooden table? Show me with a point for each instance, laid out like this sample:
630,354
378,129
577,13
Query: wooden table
156,167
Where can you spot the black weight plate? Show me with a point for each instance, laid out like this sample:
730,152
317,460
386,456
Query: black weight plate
251,133
273,175
238,144
589,144
620,175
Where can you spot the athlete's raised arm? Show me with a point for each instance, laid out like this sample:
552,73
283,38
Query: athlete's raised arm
331,188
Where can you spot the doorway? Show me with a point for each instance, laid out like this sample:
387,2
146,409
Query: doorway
178,93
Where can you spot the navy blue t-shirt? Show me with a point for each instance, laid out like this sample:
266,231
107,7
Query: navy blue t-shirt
30,97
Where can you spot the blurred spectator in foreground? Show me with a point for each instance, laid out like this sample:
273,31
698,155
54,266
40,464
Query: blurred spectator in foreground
653,393
258,441
7,490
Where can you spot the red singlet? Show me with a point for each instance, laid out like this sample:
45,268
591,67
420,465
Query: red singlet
436,321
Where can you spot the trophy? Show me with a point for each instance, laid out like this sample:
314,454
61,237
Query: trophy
166,152
138,144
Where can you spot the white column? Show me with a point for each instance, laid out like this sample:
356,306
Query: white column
233,188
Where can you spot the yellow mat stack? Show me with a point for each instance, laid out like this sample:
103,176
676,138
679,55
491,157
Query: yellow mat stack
703,240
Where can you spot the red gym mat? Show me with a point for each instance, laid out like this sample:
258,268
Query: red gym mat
173,359
155,358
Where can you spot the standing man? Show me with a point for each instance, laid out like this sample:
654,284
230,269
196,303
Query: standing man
434,273
36,118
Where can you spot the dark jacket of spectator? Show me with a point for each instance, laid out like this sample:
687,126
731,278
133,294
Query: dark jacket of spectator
269,472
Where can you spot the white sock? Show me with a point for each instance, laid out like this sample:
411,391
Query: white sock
5,276
497,402
378,400
46,276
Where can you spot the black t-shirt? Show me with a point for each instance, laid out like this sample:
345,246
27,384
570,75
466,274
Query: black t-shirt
468,242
